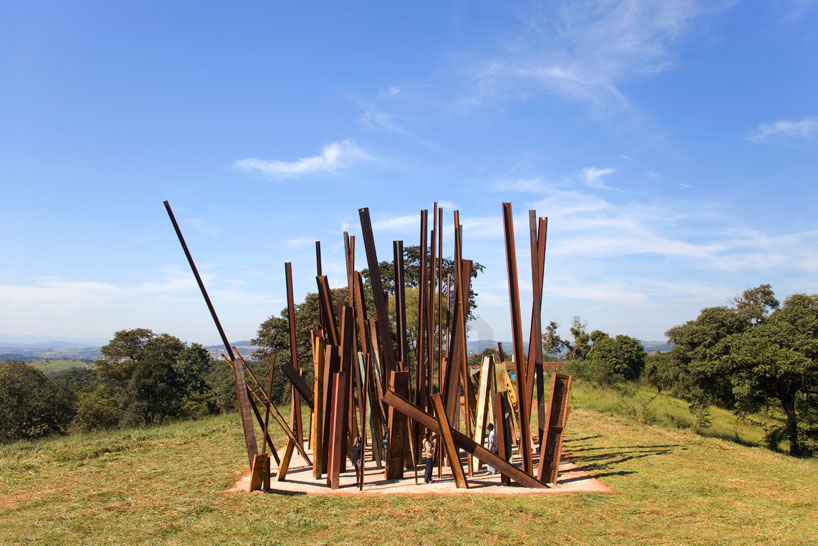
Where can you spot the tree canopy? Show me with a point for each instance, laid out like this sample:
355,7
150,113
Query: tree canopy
754,355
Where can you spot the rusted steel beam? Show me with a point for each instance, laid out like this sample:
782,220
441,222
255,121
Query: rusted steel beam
348,365
420,372
326,308
502,354
317,434
551,449
332,365
276,414
267,415
448,443
440,336
227,346
360,311
400,301
430,309
465,443
535,354
396,443
502,427
338,429
238,372
250,395
517,333
296,422
388,355
299,384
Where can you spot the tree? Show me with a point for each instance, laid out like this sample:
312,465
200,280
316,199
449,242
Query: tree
31,404
615,360
154,376
753,355
696,360
552,343
411,274
97,409
777,362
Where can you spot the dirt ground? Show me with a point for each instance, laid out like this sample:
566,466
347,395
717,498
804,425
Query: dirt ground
300,481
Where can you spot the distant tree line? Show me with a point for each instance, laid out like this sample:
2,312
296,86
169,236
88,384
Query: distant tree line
143,379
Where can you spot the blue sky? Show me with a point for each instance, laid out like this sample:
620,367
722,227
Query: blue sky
673,146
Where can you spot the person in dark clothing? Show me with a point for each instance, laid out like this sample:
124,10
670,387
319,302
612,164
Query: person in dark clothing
356,458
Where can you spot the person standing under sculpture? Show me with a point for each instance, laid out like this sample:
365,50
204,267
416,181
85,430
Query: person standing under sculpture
429,442
491,442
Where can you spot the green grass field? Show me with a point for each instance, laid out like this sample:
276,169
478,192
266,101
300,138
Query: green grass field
56,366
167,485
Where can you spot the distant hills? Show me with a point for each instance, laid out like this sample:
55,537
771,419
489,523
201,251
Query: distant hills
478,346
42,349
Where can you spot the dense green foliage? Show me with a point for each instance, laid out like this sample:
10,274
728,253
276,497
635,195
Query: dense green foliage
596,356
31,404
143,379
754,355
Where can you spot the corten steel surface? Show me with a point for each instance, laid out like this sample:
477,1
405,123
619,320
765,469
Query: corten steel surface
276,414
332,365
465,443
388,356
400,301
267,412
299,384
501,430
338,428
319,352
448,443
517,334
250,395
327,311
348,365
420,375
539,229
396,443
551,449
430,310
238,376
295,400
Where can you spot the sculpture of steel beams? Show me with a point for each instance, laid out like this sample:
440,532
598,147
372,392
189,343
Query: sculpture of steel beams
362,379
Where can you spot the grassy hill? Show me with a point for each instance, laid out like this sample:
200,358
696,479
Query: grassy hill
167,485
52,367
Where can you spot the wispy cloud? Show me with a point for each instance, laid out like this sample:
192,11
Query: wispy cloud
382,120
785,130
301,241
586,50
595,178
333,158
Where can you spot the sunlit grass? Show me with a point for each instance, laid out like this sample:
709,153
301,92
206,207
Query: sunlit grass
167,485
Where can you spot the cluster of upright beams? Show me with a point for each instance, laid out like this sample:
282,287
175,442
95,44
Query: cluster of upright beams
362,373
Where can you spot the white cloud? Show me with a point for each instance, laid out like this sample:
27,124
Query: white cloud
390,91
398,223
586,50
594,177
333,157
301,241
382,120
785,130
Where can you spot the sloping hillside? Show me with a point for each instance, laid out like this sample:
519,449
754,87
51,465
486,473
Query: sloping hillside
167,485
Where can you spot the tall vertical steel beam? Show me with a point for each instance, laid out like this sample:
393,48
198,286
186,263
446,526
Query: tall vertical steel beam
517,333
388,355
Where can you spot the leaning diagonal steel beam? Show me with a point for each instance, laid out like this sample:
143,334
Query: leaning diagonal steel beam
276,414
517,333
388,355
411,411
295,400
238,372
299,384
